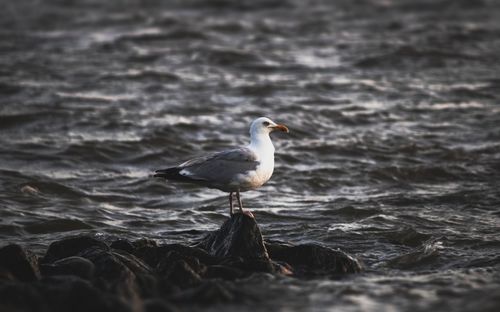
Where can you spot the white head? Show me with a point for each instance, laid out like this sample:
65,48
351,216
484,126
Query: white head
264,125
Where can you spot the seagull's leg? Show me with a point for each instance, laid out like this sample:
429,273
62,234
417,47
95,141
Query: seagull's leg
239,201
245,212
230,203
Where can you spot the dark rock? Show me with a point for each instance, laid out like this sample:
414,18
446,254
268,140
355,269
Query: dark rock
15,296
252,265
224,272
116,272
107,266
174,256
131,247
135,264
166,287
158,305
77,266
153,255
122,273
176,269
314,259
85,274
209,292
114,265
123,244
71,247
21,263
70,293
238,237
144,242
6,275
147,285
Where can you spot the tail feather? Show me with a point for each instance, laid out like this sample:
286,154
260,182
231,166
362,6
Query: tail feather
172,173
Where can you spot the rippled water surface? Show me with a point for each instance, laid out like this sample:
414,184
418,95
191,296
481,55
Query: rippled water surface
393,155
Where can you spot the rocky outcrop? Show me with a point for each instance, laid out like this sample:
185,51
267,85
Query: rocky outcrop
85,274
238,237
313,260
19,263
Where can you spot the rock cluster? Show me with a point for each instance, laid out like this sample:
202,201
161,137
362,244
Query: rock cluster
85,274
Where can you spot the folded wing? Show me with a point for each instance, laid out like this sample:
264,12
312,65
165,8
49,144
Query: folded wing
215,169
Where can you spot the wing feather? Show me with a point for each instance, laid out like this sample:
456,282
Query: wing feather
222,167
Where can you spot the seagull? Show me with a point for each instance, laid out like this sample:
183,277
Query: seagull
235,170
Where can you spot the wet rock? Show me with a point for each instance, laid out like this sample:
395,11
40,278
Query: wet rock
209,292
77,266
131,247
71,247
5,275
312,259
166,287
174,256
21,263
119,273
179,272
252,265
85,274
144,242
114,265
240,246
15,296
123,244
239,236
136,265
71,293
153,255
224,272
123,273
180,269
158,305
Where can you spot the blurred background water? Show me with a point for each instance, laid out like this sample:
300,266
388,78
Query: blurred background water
393,155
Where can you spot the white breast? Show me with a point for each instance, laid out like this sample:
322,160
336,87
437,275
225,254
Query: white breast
263,172
265,169
256,178
263,148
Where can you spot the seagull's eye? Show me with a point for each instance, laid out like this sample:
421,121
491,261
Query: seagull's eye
266,123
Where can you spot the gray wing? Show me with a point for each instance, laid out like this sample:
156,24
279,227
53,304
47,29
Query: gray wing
220,168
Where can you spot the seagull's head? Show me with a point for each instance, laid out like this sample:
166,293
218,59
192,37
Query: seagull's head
264,125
